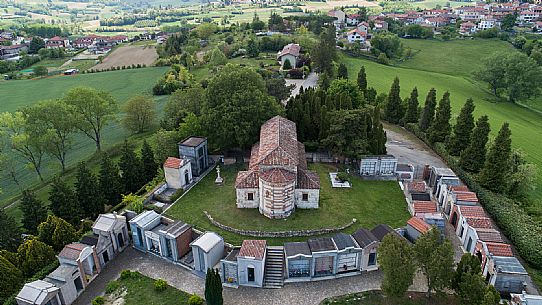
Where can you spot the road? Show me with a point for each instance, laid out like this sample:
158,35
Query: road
310,82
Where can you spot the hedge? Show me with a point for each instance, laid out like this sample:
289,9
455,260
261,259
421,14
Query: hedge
522,230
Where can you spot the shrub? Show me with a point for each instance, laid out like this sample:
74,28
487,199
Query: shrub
195,300
98,301
178,193
125,274
112,286
160,285
383,59
342,176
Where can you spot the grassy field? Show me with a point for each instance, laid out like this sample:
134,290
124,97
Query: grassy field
526,124
26,92
139,289
370,202
376,298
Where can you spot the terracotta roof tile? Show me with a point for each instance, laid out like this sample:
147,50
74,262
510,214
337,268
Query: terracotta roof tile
466,196
307,179
278,143
278,175
419,225
72,251
173,162
291,48
484,223
253,248
416,187
499,249
472,211
424,207
459,188
489,235
247,179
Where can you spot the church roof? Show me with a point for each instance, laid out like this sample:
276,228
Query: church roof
307,179
278,143
277,175
247,179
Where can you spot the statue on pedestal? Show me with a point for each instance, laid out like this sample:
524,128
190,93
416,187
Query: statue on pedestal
218,179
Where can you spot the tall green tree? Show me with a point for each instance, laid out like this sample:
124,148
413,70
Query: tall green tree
54,121
494,174
11,279
411,114
435,259
213,288
464,125
34,211
377,135
130,168
253,48
87,189
140,114
10,235
180,103
94,109
362,80
325,52
150,167
237,105
428,114
397,262
56,232
109,181
474,156
440,128
342,71
468,264
394,110
33,255
347,135
64,202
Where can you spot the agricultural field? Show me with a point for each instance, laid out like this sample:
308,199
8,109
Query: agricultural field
128,55
525,124
370,202
122,85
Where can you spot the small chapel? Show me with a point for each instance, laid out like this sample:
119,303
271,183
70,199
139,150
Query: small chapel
277,180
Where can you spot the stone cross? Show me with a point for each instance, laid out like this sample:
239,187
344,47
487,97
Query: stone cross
218,179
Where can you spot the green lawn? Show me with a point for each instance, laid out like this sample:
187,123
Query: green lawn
454,57
122,84
526,124
376,298
139,289
370,202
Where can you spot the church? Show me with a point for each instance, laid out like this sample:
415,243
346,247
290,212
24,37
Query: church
277,180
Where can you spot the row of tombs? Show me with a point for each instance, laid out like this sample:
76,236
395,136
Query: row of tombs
255,263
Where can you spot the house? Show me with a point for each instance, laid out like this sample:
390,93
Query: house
69,280
380,25
525,299
57,42
486,24
340,18
178,172
366,240
356,35
140,225
207,250
363,27
277,180
348,253
405,172
415,228
290,52
196,150
251,262
110,236
38,293
467,28
378,166
324,256
12,52
528,16
507,274
298,260
229,269
352,19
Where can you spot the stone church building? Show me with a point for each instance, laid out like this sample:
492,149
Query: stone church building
277,180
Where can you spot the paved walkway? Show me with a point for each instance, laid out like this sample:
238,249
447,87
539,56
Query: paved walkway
310,81
308,293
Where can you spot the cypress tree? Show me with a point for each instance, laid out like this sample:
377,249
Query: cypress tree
11,280
219,297
411,115
150,167
324,123
34,211
377,135
428,113
109,181
88,193
462,129
342,71
130,167
473,157
213,288
10,235
440,128
64,202
362,80
497,164
394,107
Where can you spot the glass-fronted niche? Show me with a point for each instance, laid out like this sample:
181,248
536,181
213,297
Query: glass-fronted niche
230,273
299,268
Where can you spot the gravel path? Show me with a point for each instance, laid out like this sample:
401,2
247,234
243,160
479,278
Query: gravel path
308,293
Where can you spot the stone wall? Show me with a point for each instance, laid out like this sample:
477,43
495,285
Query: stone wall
278,233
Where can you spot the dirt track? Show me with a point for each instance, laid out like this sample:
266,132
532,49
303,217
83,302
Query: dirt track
128,55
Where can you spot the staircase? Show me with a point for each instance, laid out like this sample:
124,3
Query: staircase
274,268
